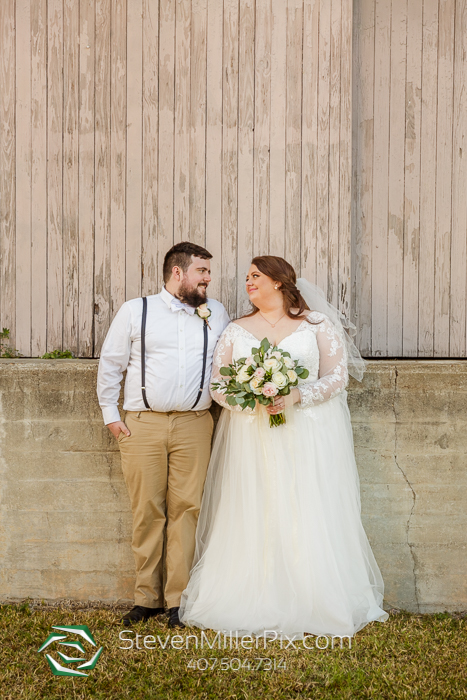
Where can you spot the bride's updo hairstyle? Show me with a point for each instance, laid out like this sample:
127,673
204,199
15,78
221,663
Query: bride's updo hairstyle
282,272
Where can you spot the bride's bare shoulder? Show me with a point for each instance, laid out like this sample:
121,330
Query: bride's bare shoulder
244,322
304,315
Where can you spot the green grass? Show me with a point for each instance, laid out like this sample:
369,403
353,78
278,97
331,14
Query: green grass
410,656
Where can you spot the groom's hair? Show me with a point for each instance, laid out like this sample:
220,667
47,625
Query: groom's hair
180,255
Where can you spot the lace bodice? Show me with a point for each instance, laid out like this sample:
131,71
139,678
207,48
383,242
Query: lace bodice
317,346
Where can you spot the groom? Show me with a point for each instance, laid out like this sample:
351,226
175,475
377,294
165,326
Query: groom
165,438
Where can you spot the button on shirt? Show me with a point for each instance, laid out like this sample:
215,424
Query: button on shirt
174,356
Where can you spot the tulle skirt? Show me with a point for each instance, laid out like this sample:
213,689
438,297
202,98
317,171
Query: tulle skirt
280,545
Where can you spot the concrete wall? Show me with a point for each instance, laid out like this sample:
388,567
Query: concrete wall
65,521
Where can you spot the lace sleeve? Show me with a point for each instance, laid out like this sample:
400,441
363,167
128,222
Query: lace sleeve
222,358
333,374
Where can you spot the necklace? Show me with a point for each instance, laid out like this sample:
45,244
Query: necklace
273,325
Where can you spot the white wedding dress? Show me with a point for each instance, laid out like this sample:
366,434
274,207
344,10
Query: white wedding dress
280,545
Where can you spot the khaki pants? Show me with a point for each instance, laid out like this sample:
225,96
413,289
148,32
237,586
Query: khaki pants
164,463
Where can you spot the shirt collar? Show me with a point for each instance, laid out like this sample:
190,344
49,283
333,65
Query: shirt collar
166,296
175,304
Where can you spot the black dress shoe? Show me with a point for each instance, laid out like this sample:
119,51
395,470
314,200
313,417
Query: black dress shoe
174,620
139,612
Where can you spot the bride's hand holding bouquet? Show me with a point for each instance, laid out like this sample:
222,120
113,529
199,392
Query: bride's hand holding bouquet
266,376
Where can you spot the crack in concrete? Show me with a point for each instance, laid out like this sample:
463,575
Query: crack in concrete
109,466
414,496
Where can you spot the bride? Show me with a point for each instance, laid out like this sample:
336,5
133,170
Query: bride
280,545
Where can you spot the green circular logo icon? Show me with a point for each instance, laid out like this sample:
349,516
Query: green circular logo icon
71,645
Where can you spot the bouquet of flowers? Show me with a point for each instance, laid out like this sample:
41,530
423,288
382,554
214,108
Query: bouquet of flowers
268,372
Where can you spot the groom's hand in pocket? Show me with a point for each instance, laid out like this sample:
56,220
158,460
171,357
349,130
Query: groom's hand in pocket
117,428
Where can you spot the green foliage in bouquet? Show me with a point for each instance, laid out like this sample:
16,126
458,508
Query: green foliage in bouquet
267,373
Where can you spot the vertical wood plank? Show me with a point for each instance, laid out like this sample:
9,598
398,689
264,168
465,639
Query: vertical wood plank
459,187
23,177
345,161
39,176
86,178
70,173
309,138
396,174
165,193
322,237
428,179
214,143
7,168
151,252
412,180
118,88
262,126
379,272
293,162
444,178
182,121
246,105
102,175
197,175
363,91
229,156
277,219
134,148
334,151
55,175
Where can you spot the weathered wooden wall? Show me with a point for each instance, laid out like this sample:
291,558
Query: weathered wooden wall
410,177
128,125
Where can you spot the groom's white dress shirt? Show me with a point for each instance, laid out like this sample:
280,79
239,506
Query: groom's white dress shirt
174,356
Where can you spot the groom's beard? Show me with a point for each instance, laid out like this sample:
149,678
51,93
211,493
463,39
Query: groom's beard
193,296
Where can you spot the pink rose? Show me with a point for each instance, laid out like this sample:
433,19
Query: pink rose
270,389
277,355
260,372
249,361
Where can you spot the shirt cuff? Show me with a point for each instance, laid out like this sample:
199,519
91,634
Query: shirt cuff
110,414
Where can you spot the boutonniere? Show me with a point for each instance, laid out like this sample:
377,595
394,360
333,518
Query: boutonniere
203,312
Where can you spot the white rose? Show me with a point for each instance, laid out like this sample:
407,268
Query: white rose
290,364
292,375
243,376
277,355
255,385
271,365
203,311
279,380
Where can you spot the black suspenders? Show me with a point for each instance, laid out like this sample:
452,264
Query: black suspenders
143,352
143,356
205,352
